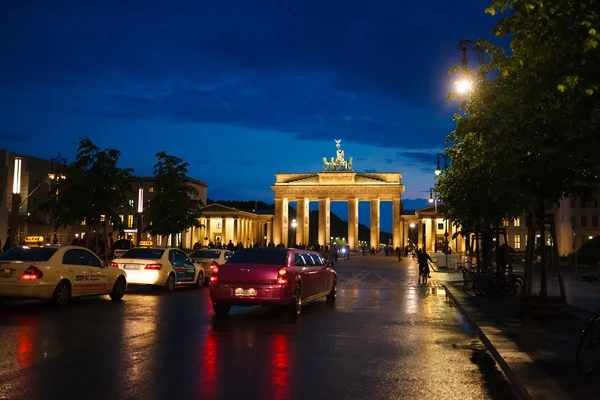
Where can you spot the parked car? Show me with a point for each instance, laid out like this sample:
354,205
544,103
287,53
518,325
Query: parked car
58,274
271,276
210,258
166,267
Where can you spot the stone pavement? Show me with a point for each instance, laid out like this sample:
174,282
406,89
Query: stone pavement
536,353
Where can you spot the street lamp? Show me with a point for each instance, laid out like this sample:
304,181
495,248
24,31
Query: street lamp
140,210
294,225
438,170
465,84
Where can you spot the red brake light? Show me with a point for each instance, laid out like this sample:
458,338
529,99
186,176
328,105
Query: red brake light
153,266
32,273
213,264
282,278
215,274
114,264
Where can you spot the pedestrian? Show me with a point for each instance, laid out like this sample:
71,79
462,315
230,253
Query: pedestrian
399,253
423,260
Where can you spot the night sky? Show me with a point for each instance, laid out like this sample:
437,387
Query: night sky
239,89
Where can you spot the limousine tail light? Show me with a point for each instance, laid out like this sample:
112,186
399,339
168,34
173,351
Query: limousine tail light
32,273
215,274
282,278
153,266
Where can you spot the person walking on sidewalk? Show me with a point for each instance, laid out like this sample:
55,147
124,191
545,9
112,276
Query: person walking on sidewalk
423,260
399,253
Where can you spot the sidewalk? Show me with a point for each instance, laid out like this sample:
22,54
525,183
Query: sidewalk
537,354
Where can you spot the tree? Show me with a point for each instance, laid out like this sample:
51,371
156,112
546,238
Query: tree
532,127
94,190
168,211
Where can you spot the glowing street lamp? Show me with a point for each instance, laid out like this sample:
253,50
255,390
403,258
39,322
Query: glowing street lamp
16,203
465,84
294,225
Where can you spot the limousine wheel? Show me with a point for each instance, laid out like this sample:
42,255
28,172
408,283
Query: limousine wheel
221,309
331,295
296,306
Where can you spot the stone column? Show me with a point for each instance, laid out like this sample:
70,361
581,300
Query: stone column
303,215
420,233
396,223
208,233
353,223
324,228
269,232
375,224
278,220
236,229
224,231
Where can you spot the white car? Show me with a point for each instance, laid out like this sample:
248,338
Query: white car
166,267
210,258
57,274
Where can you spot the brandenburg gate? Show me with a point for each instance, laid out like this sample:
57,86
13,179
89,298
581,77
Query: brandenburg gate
336,182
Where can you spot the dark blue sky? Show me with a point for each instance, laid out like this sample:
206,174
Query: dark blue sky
240,89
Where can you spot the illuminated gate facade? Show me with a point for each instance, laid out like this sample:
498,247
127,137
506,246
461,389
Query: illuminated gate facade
336,182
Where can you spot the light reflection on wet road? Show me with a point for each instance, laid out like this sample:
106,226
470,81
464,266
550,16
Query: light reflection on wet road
384,338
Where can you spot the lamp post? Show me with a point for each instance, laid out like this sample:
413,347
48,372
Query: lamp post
465,84
140,210
294,225
57,165
16,203
438,170
434,198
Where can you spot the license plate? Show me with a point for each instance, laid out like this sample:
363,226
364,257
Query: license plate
6,273
245,292
131,266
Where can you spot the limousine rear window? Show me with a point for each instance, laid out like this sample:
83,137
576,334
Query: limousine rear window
264,256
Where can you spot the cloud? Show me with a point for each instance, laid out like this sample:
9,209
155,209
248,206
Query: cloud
13,137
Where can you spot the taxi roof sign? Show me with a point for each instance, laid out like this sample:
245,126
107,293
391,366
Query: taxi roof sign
146,243
34,239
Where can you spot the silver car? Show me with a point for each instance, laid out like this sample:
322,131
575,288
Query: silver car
210,258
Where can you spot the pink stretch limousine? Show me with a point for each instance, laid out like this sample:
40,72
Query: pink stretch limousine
271,276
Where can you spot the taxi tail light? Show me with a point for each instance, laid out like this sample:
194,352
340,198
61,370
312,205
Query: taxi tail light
213,264
114,264
32,273
215,274
153,266
282,277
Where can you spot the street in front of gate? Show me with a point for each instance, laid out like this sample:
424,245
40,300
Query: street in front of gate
537,353
386,337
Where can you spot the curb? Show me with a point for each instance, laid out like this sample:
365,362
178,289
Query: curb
536,384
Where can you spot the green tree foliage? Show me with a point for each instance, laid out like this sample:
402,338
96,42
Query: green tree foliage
528,136
168,211
94,189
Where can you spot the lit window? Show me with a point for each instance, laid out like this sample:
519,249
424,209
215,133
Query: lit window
517,221
130,221
505,222
130,203
151,189
122,218
83,222
517,241
102,218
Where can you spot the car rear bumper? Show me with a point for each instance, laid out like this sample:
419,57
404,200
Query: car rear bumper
223,293
146,277
27,290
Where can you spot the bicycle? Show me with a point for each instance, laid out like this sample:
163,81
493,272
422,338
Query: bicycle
588,347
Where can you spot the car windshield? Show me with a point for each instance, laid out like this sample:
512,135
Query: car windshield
266,256
137,252
28,254
205,254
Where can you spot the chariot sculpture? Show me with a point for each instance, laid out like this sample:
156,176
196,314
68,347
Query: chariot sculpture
338,163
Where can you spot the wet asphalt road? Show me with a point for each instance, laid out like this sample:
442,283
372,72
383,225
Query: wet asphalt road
384,338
